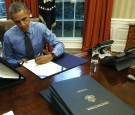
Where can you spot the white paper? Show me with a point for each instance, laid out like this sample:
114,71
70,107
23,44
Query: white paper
6,72
43,70
9,113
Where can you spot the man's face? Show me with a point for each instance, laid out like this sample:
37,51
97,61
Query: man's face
22,20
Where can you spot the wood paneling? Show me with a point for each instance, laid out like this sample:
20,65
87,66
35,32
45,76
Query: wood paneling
131,36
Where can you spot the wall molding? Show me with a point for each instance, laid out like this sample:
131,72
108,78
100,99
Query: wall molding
119,32
72,43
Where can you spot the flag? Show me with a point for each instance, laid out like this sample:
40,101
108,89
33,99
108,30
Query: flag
47,12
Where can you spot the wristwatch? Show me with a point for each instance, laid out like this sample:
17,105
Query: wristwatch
53,55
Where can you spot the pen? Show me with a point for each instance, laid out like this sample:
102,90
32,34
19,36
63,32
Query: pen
37,55
22,63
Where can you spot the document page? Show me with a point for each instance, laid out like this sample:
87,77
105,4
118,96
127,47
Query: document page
43,70
9,113
6,72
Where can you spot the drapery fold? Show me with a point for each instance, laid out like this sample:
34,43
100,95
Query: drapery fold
97,21
32,5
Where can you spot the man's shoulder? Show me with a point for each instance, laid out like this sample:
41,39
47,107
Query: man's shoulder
38,24
11,30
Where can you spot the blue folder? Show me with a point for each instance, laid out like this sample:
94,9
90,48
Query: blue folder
66,62
69,61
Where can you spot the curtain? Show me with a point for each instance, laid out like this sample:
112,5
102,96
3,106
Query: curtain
97,21
32,5
47,12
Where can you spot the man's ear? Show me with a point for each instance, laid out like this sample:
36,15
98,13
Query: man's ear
29,12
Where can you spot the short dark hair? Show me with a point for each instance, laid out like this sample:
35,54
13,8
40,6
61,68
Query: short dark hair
16,7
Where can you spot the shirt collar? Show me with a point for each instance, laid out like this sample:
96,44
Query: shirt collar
30,25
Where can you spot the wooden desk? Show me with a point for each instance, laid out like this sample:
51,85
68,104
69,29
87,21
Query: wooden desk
24,98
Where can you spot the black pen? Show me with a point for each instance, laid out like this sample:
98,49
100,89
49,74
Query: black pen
37,55
22,63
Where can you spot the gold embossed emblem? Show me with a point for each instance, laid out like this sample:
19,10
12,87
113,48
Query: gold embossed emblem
90,98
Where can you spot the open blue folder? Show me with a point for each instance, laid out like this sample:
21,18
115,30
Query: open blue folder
69,61
65,62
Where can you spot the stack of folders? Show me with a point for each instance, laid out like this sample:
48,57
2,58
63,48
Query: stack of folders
84,96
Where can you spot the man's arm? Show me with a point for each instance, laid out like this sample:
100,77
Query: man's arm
58,47
7,53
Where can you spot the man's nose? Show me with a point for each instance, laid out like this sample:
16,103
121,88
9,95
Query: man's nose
21,23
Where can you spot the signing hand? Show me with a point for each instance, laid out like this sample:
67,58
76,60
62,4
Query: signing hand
43,59
133,67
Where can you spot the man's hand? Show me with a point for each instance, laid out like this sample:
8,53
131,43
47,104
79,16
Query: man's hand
132,67
22,61
43,59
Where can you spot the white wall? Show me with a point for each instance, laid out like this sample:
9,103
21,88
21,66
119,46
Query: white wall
119,32
123,9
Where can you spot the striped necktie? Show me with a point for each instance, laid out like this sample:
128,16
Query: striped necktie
29,48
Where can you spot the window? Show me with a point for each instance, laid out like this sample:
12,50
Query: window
2,9
69,21
69,18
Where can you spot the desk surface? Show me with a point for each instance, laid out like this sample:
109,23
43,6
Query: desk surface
24,98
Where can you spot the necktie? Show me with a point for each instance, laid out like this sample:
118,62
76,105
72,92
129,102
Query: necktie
29,48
